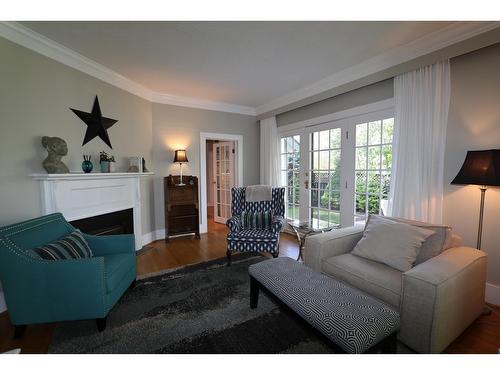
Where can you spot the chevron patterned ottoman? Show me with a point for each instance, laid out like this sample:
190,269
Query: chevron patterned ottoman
352,320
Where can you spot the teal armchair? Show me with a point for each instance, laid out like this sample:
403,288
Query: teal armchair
42,291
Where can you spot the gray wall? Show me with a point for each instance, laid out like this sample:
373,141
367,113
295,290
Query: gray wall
179,128
35,95
365,95
474,124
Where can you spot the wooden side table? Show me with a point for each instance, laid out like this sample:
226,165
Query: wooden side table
181,206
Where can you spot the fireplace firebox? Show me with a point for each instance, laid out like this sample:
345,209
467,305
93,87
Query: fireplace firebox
118,222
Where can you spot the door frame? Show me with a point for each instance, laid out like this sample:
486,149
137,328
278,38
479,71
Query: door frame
204,137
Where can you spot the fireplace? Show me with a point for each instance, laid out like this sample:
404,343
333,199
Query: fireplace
96,203
118,222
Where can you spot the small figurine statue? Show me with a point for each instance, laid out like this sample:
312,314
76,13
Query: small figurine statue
56,148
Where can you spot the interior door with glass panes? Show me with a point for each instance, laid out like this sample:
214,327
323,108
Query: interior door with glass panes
223,167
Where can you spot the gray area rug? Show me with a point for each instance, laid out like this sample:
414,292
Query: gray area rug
202,308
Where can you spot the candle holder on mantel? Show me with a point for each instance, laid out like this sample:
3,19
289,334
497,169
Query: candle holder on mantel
180,157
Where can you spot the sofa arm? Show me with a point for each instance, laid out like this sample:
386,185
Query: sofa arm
234,224
326,245
106,245
441,297
277,223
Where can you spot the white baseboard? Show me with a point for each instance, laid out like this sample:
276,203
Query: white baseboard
160,234
493,294
147,238
153,236
3,306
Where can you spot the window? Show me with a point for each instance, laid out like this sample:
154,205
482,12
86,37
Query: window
325,155
290,174
373,167
338,172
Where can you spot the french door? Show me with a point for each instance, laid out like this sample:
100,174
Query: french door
223,167
337,173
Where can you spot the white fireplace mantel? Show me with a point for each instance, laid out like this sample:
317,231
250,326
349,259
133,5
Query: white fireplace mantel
81,195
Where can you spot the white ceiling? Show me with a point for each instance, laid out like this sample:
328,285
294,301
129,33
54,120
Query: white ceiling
243,63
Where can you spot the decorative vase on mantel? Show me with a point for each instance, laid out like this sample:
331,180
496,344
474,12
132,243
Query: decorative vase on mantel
104,166
87,165
107,162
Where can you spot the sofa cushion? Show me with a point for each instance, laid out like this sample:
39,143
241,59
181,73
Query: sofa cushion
435,244
376,279
72,246
116,267
392,243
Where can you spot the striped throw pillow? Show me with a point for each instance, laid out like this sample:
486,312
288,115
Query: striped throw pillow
256,220
73,246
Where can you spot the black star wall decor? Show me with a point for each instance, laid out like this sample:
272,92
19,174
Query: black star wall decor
97,125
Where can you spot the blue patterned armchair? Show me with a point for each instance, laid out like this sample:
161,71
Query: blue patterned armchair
255,240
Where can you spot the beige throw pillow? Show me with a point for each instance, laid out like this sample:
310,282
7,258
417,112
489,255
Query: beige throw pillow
433,245
394,244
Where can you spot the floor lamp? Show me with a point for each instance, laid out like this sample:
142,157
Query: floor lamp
480,168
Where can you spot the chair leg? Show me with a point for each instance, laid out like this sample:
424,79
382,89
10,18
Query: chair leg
254,293
275,255
101,323
19,331
228,254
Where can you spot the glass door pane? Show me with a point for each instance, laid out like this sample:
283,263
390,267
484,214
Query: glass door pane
224,179
290,174
325,169
373,167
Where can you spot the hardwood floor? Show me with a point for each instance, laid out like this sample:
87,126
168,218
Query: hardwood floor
159,255
483,336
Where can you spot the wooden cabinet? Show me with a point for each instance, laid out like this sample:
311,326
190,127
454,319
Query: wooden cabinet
181,206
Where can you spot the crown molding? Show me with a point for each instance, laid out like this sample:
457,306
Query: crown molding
457,32
30,39
454,33
184,101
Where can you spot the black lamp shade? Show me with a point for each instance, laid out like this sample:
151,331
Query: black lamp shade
180,156
480,168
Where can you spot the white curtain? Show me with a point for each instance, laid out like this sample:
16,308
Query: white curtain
269,152
421,101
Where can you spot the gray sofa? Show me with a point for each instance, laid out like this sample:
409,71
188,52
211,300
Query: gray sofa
437,299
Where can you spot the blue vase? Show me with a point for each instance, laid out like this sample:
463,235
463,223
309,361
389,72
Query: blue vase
87,166
104,166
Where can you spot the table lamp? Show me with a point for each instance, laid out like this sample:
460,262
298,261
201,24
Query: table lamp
480,168
180,157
